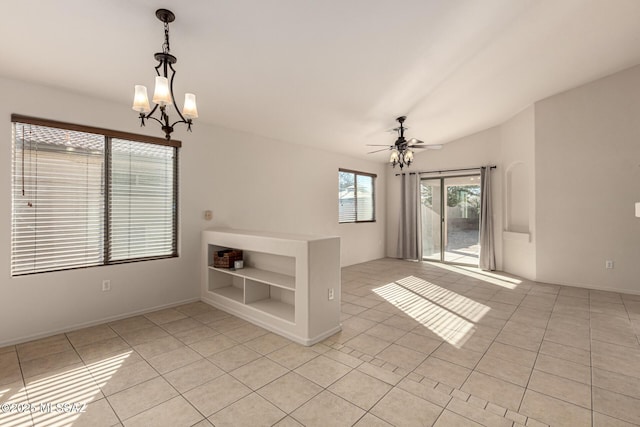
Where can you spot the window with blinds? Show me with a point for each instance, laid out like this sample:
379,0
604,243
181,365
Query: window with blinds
141,200
85,196
356,196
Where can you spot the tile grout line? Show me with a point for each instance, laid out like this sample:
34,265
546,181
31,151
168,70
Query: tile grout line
593,419
98,385
533,367
24,383
593,411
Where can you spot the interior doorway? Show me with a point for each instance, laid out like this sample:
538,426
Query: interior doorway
451,219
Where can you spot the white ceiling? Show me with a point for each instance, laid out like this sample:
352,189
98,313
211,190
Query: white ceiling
331,74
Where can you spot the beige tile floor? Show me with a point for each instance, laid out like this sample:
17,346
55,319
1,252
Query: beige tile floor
422,344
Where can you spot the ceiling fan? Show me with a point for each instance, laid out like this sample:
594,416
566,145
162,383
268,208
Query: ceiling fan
402,149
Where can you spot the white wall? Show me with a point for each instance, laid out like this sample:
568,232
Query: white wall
517,137
480,149
250,182
587,180
247,181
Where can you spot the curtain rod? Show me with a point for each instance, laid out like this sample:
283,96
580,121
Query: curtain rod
448,170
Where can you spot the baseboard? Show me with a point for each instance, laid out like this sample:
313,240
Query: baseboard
269,326
593,287
231,310
94,323
325,335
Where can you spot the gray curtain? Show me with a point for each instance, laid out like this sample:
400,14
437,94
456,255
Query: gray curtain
410,230
487,245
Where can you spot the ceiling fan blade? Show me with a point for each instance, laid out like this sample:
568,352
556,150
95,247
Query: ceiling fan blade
377,151
428,147
425,147
401,143
395,129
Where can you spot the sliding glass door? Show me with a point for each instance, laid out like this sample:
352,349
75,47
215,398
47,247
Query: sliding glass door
451,219
462,214
431,195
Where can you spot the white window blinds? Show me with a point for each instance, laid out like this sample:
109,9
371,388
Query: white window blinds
58,201
356,196
83,199
364,195
141,200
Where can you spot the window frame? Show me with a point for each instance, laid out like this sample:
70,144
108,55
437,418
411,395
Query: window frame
108,135
373,177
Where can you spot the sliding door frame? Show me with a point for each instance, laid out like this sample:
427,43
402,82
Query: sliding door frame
443,215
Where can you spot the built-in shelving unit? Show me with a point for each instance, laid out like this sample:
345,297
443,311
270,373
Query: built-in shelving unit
284,286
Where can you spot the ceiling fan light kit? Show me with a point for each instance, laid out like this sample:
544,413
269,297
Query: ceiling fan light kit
402,149
163,93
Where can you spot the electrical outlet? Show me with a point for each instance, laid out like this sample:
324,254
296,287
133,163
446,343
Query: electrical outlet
331,295
106,285
208,215
608,264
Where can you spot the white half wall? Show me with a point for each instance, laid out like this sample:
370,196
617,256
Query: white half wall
587,181
247,181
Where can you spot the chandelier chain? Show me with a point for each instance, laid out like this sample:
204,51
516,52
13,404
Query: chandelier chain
165,45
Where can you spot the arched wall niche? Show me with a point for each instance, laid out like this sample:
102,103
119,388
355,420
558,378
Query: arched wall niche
517,198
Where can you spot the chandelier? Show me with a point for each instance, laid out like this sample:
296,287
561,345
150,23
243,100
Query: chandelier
163,93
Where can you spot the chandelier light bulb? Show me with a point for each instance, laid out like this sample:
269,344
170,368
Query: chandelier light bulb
162,95
408,156
395,156
141,99
190,110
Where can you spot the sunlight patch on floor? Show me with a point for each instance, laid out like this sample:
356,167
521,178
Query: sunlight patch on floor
62,398
103,370
486,276
14,395
447,314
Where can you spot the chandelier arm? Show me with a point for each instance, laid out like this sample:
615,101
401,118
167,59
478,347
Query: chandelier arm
188,122
157,67
180,121
149,116
173,74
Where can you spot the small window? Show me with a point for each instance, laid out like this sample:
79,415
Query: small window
356,196
85,196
